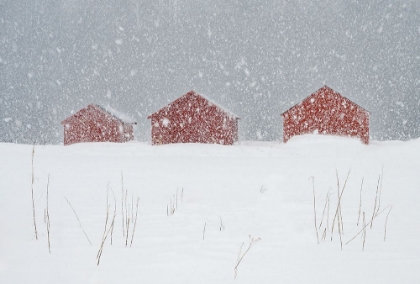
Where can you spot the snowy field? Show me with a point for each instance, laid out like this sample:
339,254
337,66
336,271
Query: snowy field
198,204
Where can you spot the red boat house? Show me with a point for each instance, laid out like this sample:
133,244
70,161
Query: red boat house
97,124
326,112
192,118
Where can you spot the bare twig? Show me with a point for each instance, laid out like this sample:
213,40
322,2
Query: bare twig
80,224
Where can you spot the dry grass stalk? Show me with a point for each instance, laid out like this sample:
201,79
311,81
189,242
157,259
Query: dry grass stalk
176,198
380,191
375,212
107,214
386,222
107,232
313,191
204,230
324,234
115,208
323,211
48,217
367,224
128,229
338,209
132,206
127,220
106,222
135,221
341,215
252,241
328,211
364,230
122,203
182,195
360,202
222,227
170,208
338,205
32,190
80,224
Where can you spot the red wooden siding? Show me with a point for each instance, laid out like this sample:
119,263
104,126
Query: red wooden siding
95,124
326,112
193,119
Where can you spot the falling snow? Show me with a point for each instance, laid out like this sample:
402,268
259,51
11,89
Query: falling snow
255,58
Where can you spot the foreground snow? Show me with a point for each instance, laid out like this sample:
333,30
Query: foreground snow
222,195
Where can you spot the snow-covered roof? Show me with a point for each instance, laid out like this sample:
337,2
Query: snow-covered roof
228,112
115,113
325,87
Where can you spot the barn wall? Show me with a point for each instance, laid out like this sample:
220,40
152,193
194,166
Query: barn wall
192,119
327,112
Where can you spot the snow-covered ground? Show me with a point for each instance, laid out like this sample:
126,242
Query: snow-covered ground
222,195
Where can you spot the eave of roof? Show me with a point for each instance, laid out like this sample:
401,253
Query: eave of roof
108,110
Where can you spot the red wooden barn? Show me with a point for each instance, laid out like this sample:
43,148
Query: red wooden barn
326,112
95,123
193,119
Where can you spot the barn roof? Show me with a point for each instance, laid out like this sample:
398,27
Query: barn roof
119,115
325,87
228,112
110,111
